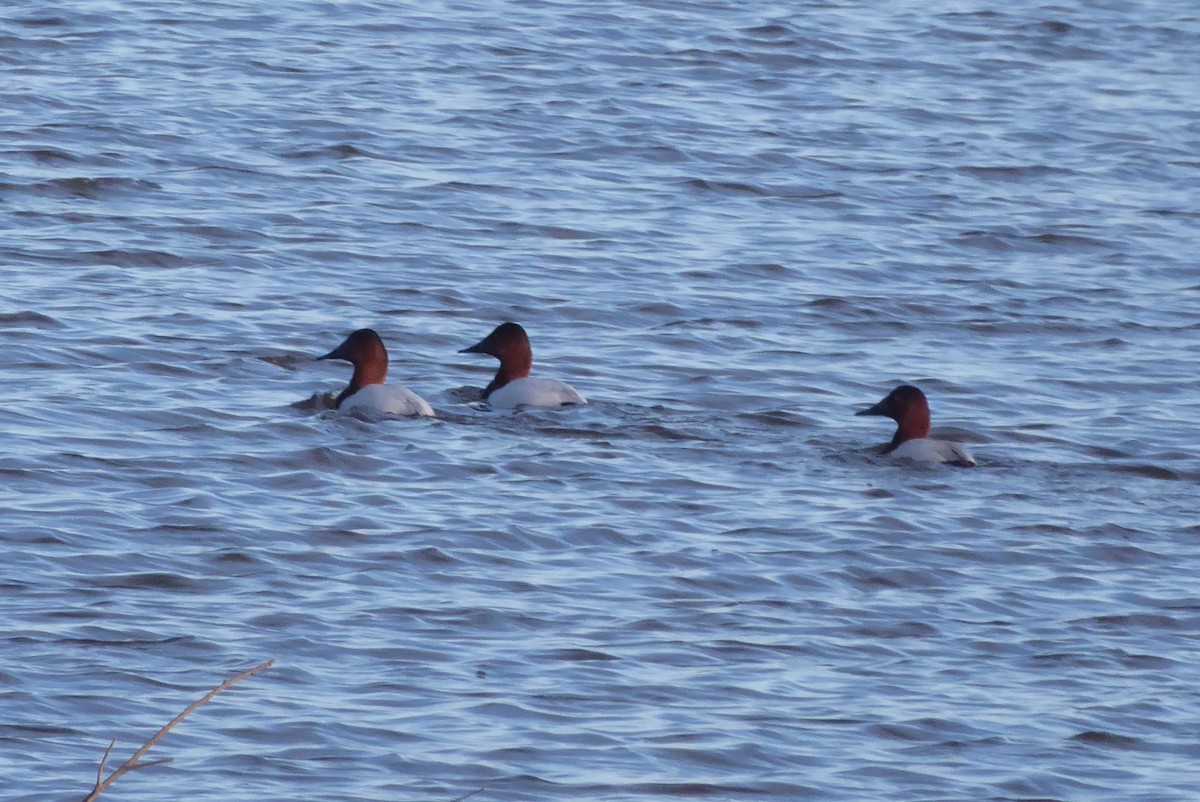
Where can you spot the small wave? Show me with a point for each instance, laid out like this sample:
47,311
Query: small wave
664,154
125,257
49,155
723,791
317,402
465,394
726,187
1013,240
829,303
94,188
430,555
282,68
1051,238
340,151
761,270
47,21
285,361
469,186
1055,27
1184,213
580,655
81,187
1149,472
802,193
554,232
28,318
1013,172
236,558
1133,621
151,580
773,30
1113,740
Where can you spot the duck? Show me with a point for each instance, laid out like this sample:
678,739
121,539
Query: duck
513,386
908,406
365,350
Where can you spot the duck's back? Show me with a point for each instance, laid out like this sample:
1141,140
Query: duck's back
392,399
534,391
926,449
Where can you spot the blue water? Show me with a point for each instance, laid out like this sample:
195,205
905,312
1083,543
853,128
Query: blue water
730,228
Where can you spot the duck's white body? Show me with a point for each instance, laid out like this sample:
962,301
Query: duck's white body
391,399
535,392
926,449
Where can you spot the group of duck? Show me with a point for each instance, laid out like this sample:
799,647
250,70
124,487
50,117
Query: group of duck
513,387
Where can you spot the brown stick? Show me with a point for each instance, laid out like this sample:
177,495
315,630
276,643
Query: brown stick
132,763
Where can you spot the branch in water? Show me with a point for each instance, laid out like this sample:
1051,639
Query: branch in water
132,764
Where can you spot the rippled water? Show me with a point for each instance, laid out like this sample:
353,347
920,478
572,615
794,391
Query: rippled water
730,228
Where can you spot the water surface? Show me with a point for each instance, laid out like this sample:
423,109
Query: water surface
730,228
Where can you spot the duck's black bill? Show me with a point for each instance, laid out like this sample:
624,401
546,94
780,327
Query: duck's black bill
477,348
878,409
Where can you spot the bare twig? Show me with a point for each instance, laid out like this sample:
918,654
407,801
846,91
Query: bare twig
467,796
104,762
132,763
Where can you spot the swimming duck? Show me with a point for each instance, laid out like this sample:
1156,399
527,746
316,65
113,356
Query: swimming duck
513,386
907,406
364,349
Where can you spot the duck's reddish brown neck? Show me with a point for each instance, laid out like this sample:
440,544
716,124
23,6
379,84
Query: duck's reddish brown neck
913,424
516,362
370,367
